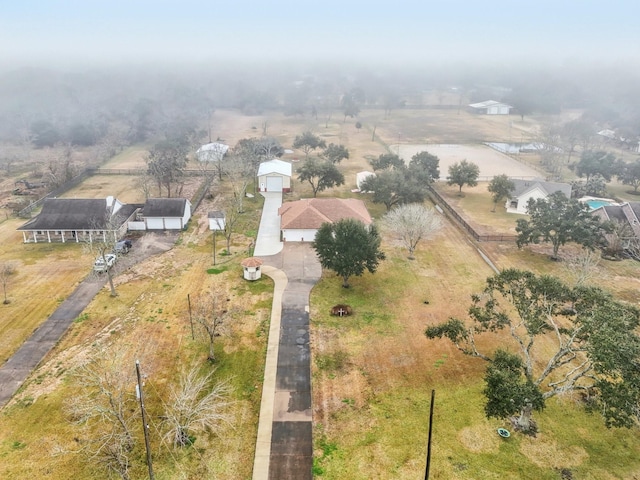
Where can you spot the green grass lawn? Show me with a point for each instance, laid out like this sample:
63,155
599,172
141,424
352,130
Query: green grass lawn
373,374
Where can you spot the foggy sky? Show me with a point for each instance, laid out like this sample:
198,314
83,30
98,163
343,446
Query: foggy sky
383,32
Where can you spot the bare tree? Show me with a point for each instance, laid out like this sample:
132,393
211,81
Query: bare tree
166,163
212,158
7,270
233,208
105,408
411,223
145,182
211,313
240,172
195,405
548,141
110,224
583,266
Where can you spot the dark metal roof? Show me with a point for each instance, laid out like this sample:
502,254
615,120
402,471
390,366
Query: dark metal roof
165,207
78,214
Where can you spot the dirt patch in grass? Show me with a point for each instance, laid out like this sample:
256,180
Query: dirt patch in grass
546,452
479,439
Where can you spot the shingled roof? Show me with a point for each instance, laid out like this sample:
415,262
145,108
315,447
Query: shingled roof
523,187
311,213
164,207
78,214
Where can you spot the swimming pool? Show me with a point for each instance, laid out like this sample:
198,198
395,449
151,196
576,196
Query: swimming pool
597,203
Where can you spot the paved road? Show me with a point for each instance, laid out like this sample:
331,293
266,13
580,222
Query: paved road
287,388
15,371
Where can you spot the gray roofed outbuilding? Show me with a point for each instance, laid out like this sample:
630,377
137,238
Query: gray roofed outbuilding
164,207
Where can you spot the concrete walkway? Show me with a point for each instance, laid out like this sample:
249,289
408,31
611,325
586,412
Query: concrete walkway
268,241
284,448
16,370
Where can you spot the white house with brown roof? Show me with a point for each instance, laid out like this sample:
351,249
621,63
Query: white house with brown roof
275,176
300,220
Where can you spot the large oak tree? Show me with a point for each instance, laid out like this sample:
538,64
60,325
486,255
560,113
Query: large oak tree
559,339
463,173
559,220
348,247
320,175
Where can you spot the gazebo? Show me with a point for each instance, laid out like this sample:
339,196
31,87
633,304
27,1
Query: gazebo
251,268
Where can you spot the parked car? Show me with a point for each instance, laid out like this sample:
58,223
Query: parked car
102,264
122,247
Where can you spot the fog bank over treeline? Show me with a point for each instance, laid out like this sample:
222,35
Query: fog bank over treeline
79,106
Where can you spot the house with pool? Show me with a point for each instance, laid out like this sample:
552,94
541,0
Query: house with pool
627,213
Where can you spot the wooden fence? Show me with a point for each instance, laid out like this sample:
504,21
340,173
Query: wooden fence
450,211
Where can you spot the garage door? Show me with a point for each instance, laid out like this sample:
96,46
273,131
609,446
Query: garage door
295,235
274,184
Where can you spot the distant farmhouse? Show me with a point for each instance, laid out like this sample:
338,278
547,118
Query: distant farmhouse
490,107
527,189
300,220
212,152
101,220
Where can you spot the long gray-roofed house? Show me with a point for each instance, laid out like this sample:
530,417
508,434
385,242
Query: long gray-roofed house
79,220
536,189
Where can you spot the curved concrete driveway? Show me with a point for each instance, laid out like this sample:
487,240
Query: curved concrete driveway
284,448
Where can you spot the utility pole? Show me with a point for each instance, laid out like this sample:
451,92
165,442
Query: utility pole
426,472
193,337
214,248
145,427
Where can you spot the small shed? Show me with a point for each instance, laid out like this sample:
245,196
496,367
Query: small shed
275,176
251,268
361,177
216,220
212,152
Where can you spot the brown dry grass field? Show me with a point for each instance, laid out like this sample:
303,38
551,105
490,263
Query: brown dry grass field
372,373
